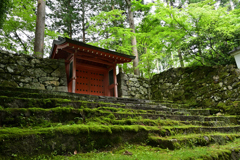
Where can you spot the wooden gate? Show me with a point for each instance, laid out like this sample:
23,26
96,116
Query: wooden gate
90,82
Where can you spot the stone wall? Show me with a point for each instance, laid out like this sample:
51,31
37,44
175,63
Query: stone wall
198,86
131,86
29,72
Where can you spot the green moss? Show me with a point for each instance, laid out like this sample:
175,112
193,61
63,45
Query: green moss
9,84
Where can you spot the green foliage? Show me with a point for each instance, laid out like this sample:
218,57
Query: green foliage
200,32
17,33
71,16
4,6
117,37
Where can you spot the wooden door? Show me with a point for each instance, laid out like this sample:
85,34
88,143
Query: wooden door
97,86
82,82
90,81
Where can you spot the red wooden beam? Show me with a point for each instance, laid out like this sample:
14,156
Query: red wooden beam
95,60
91,67
82,53
101,53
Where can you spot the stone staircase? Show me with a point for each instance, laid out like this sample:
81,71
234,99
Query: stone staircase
39,122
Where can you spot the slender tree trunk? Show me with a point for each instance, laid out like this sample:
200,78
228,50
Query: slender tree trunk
120,68
70,30
201,55
70,21
40,27
180,58
83,24
157,66
232,5
134,40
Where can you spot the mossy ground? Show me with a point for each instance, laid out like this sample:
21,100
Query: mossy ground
145,152
37,125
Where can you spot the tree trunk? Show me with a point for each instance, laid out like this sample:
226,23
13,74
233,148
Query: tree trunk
83,24
201,55
157,66
40,27
180,58
70,21
120,68
134,41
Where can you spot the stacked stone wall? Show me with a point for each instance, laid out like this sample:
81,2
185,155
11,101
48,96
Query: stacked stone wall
30,72
199,86
131,86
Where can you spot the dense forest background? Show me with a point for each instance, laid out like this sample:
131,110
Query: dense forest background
161,34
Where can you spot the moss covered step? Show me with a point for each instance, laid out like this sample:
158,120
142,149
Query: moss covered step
206,123
158,122
34,93
67,138
205,112
226,119
35,116
64,139
67,115
191,140
43,94
19,102
229,151
16,102
191,129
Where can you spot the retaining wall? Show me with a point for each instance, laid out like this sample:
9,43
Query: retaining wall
30,72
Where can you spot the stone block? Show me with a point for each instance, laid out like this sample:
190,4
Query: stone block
124,87
9,83
61,89
56,73
2,65
124,77
49,87
9,69
63,81
55,66
25,80
55,83
42,79
35,61
133,89
47,69
132,93
37,86
133,79
124,93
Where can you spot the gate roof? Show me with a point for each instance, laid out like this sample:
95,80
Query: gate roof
65,47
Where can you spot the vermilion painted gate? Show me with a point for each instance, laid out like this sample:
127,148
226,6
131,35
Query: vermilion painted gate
90,82
90,69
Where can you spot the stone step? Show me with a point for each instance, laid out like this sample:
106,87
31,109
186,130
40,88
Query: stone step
37,116
16,102
173,130
206,123
83,138
45,94
204,112
227,120
34,93
150,122
18,116
192,140
67,138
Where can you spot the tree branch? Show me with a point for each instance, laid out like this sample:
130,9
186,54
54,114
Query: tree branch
25,48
